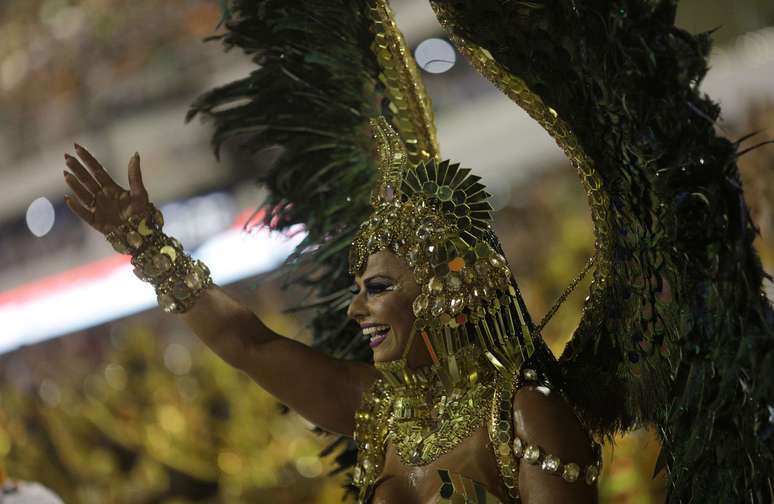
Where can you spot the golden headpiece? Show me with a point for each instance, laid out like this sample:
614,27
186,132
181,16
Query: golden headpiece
436,217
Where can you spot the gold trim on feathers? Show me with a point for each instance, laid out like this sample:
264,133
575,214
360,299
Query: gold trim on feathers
410,106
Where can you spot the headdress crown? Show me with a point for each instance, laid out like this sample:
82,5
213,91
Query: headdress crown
437,218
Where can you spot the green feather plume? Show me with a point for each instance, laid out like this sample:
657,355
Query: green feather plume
313,91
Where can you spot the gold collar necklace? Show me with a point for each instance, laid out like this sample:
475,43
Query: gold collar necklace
433,411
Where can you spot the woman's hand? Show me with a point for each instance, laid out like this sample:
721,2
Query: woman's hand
98,200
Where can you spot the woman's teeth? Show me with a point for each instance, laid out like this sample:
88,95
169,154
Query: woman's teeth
377,334
370,331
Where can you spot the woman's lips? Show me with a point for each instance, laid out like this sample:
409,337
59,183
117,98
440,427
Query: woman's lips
377,340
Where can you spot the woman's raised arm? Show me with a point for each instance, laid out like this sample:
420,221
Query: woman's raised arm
324,390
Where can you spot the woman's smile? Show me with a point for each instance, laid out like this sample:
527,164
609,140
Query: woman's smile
382,299
376,333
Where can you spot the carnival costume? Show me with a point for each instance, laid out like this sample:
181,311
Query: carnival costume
676,330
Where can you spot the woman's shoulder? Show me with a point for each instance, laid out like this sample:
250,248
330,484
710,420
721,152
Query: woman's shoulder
543,416
559,458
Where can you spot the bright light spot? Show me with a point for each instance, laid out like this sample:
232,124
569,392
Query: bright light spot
67,22
309,467
229,462
25,491
13,69
544,390
435,56
40,217
171,420
115,376
177,358
49,393
232,256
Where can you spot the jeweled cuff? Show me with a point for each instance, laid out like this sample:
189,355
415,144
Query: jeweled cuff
161,261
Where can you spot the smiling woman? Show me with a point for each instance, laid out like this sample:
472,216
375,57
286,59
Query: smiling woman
461,400
453,342
468,404
382,306
456,370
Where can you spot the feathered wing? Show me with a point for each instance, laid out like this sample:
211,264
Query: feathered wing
676,330
323,69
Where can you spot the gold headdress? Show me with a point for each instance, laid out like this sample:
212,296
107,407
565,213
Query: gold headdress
436,217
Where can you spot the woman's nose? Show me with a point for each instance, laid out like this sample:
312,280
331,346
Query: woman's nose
357,307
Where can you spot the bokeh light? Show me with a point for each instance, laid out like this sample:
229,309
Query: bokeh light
435,56
40,217
177,358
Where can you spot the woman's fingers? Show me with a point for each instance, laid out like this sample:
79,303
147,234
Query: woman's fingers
84,196
97,199
84,177
81,211
95,168
136,187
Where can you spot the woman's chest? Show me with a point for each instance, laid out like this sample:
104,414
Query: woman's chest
469,469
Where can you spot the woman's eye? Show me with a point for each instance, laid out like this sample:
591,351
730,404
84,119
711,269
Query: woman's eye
377,288
372,288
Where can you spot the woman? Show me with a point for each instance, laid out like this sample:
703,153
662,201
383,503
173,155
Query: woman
463,402
385,306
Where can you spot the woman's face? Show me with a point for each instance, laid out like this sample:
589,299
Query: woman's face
382,305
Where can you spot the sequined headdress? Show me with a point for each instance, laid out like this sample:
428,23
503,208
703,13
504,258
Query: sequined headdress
437,218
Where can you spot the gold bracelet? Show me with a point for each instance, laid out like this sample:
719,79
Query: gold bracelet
535,455
160,260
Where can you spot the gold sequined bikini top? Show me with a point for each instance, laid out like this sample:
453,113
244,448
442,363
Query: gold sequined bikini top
373,427
457,488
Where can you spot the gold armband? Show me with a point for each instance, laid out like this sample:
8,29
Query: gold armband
535,455
161,261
